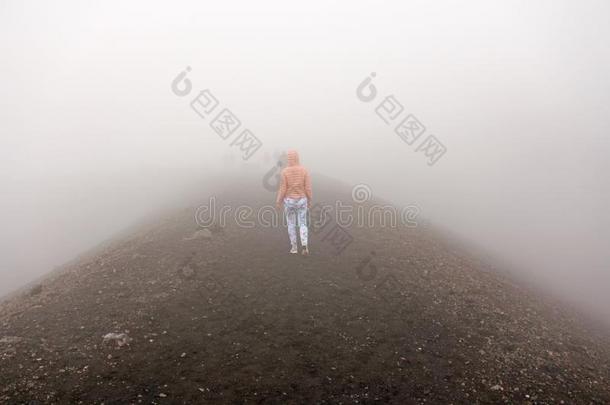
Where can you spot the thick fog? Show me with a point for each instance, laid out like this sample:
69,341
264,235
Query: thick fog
95,137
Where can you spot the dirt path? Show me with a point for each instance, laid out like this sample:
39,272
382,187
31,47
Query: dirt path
231,317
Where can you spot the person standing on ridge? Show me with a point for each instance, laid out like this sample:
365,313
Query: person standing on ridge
295,193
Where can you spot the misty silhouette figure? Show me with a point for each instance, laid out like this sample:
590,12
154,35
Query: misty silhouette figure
295,194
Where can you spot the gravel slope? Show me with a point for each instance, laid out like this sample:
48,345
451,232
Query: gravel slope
399,316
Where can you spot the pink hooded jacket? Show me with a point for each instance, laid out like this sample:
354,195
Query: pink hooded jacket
295,181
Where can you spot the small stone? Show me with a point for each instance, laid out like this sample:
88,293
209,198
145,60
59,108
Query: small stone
187,272
202,233
121,339
10,340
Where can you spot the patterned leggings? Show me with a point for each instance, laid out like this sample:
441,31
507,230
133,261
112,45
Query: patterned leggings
296,208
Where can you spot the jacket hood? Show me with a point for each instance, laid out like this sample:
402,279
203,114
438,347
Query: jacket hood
293,158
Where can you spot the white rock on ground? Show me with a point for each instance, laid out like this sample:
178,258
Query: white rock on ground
121,339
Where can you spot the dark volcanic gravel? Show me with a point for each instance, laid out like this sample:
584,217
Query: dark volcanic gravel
229,316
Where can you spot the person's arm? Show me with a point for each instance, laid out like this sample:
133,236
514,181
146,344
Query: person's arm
281,192
308,187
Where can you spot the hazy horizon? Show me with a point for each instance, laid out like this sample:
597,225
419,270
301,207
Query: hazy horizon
94,138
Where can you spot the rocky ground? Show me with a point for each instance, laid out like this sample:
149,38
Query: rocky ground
227,315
